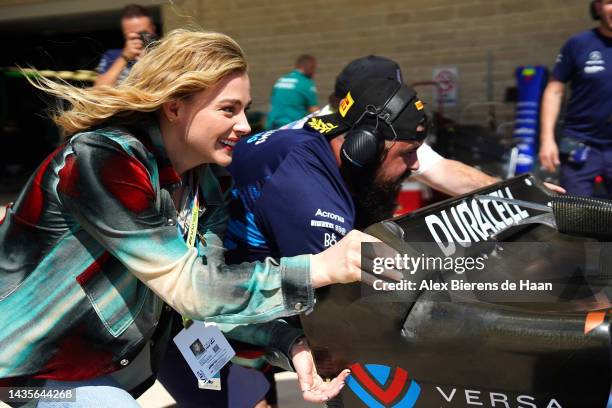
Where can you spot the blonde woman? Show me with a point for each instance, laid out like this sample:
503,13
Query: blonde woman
128,214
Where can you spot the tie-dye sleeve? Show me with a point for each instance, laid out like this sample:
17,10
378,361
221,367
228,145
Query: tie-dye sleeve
111,194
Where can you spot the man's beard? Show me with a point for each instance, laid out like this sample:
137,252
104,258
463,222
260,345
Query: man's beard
374,200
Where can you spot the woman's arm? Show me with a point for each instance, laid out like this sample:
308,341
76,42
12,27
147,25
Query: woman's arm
112,197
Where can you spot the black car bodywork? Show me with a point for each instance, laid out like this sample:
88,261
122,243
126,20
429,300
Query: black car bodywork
485,351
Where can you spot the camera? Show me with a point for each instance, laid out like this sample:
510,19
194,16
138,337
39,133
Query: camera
147,38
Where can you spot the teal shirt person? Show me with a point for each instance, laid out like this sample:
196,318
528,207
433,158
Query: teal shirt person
294,96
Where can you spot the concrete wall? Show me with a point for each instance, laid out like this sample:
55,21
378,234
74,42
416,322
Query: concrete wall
419,34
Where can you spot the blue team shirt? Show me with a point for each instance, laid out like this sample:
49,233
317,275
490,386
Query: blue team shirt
288,198
586,61
108,58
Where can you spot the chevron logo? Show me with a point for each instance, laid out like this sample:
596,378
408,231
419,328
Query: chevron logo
379,386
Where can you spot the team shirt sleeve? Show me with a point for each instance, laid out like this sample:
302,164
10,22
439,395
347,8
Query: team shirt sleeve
105,63
428,158
564,64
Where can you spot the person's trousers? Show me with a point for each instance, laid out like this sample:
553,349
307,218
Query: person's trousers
579,179
103,392
241,387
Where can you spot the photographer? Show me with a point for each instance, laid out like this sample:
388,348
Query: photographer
139,31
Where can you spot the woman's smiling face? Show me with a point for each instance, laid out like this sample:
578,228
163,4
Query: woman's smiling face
207,124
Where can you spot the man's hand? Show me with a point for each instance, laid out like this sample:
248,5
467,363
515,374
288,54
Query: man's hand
557,189
314,389
549,155
133,47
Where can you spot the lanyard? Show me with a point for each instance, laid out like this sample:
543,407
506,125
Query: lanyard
190,212
195,215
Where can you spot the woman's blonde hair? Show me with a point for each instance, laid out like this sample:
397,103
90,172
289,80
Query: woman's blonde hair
180,64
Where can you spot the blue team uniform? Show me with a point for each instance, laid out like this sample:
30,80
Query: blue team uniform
586,62
293,201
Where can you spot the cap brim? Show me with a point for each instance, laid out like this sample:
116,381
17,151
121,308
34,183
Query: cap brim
328,125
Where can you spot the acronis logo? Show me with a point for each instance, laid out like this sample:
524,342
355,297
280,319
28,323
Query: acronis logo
380,386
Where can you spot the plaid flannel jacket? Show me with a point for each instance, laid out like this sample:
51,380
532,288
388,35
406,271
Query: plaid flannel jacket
91,250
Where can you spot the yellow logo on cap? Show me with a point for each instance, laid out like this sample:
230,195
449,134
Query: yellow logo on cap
419,105
345,104
320,126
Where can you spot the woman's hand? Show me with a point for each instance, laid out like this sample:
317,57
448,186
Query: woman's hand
314,389
340,263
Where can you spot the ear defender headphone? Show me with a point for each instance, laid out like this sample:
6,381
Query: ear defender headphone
363,144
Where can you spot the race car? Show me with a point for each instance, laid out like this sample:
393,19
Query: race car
529,329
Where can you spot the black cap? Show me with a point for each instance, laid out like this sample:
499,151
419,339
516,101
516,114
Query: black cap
366,68
392,107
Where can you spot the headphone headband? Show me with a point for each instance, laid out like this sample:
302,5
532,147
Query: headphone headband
364,143
396,104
